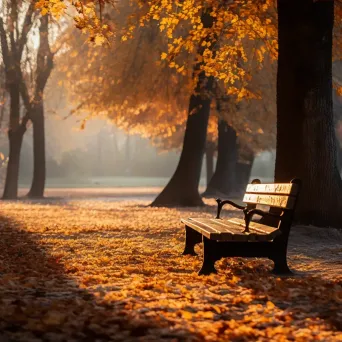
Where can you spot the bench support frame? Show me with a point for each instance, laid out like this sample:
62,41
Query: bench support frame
215,250
192,238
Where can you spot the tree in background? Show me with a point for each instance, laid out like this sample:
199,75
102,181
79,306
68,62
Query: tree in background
245,128
33,99
205,39
3,117
215,42
14,38
27,70
182,189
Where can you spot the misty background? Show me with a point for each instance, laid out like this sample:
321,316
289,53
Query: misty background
102,155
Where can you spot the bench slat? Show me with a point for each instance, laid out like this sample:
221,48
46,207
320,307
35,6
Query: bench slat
258,227
205,230
230,230
239,235
253,235
285,202
281,189
227,233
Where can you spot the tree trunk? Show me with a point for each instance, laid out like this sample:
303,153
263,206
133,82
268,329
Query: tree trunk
224,178
306,144
182,189
339,158
209,160
12,173
15,138
39,164
243,174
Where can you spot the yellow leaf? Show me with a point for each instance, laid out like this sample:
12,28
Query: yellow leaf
99,40
186,314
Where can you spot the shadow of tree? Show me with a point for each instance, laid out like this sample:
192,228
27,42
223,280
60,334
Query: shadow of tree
302,297
40,300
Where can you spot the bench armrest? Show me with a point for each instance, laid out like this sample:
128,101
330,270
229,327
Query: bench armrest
249,215
221,203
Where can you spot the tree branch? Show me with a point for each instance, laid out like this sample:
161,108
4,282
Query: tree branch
44,58
27,25
4,44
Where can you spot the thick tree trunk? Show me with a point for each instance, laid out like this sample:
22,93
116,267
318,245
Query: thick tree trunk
182,189
209,160
39,164
306,144
224,178
15,138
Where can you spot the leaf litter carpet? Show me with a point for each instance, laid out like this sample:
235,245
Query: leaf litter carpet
98,270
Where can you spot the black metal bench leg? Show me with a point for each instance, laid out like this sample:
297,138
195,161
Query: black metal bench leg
191,239
280,264
210,255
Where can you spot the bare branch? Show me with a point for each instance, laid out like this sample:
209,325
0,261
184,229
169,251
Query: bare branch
4,44
27,25
44,58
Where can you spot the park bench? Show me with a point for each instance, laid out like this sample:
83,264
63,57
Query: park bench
244,237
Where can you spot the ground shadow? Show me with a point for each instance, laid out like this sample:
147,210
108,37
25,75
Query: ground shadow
40,300
302,296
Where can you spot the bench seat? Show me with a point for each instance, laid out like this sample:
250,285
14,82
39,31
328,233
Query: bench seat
231,230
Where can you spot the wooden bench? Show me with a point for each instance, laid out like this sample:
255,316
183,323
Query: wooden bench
244,237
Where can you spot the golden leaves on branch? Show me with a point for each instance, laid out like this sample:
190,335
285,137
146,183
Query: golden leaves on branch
54,7
87,21
86,18
225,44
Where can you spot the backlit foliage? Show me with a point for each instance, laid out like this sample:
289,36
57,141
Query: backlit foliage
55,7
141,96
85,17
226,43
235,23
129,84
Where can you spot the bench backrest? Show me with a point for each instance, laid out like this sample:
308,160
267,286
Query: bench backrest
282,195
281,198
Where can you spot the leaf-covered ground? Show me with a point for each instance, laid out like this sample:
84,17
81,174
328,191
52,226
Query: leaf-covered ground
99,270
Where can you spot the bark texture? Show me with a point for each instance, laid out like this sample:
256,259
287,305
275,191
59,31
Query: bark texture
306,144
39,165
209,160
243,174
224,179
15,138
339,159
35,109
